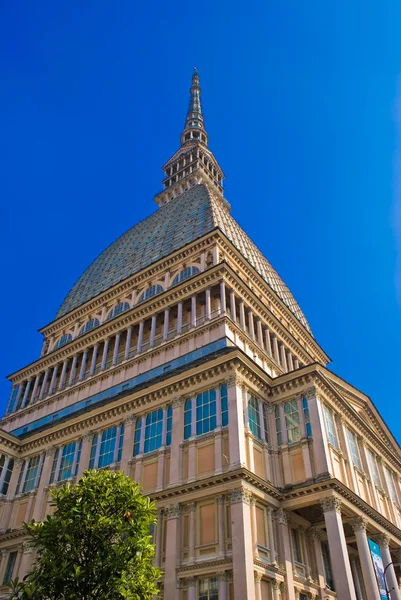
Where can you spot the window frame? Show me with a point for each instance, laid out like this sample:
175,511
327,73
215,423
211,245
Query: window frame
329,419
254,416
292,423
353,445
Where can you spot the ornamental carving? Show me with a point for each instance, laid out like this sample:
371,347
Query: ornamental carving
258,576
235,379
330,504
311,393
222,576
192,507
87,437
240,495
191,582
51,451
173,511
177,402
180,584
270,408
383,539
281,516
220,499
130,420
313,533
27,548
359,524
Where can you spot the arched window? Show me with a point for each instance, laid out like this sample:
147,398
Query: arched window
117,310
89,325
149,292
185,274
63,340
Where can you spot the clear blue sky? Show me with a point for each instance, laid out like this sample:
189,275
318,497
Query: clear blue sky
300,102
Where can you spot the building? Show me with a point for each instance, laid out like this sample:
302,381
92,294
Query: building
182,358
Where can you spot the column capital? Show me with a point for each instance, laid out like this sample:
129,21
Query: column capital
50,451
173,511
383,539
330,504
220,499
270,408
177,402
27,548
281,516
191,581
130,420
310,393
239,495
221,576
276,585
258,576
180,584
160,513
88,436
192,507
359,524
18,462
235,379
313,533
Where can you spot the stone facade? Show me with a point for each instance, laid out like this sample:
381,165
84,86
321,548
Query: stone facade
269,472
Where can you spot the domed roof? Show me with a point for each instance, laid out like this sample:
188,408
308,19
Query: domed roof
188,217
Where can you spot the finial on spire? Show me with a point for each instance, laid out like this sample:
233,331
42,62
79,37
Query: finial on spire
194,126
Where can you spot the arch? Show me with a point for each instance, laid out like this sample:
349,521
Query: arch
63,340
89,325
118,309
150,292
185,274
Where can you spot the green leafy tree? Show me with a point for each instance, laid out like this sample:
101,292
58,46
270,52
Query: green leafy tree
96,545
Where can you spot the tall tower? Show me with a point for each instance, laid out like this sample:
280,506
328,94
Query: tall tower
182,358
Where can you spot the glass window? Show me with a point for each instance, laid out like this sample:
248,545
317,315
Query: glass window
19,484
12,557
150,292
296,545
389,475
292,421
32,474
188,419
137,436
185,274
224,405
305,409
373,467
105,450
208,589
327,565
89,325
6,482
169,424
63,340
206,412
330,426
117,310
67,461
253,416
354,449
278,424
153,430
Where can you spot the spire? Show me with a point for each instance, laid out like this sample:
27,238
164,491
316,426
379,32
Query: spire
194,126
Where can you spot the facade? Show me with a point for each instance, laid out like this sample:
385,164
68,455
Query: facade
182,358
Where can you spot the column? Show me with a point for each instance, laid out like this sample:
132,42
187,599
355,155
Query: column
220,517
159,535
165,324
105,352
282,519
94,359
242,555
338,548
254,528
193,310
153,331
140,336
53,380
283,358
276,585
191,532
63,374
35,388
222,583
320,445
233,309
268,342
250,324
179,317
172,551
43,483
270,531
296,363
128,445
391,578
259,332
26,392
83,365
242,315
12,488
359,525
208,305
44,383
176,439
313,534
275,349
73,369
25,562
85,454
290,361
128,343
222,298
236,430
191,581
116,347
355,576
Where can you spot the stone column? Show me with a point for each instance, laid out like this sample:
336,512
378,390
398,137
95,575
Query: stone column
338,548
26,392
85,454
222,297
172,551
320,445
63,374
283,358
259,332
233,308
296,363
193,310
128,445
53,380
359,525
43,388
83,365
208,305
276,586
314,535
258,587
191,532
254,528
355,576
179,317
12,488
290,361
159,536
222,583
35,388
282,519
165,324
105,352
116,347
221,520
128,343
73,369
391,578
26,560
251,324
43,483
152,331
177,433
236,429
242,555
275,349
242,315
94,359
140,336
270,532
268,342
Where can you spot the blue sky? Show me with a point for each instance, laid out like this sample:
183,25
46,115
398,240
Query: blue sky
302,104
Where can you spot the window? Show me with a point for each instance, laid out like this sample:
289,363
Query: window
292,421
188,419
224,405
278,424
330,426
106,447
185,274
208,589
150,292
137,436
12,557
353,446
33,473
117,310
327,565
305,409
296,545
89,325
9,465
389,475
373,467
253,416
206,412
66,462
63,340
169,425
153,430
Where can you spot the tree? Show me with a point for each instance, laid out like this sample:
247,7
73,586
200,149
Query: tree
97,544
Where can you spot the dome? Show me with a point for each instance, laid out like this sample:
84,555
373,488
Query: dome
188,217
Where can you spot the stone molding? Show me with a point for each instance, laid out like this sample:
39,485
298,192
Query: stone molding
330,504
